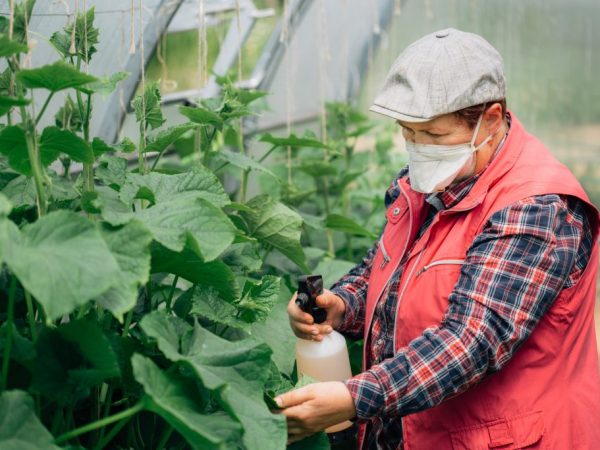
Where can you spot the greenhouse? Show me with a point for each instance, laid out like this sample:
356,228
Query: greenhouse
299,224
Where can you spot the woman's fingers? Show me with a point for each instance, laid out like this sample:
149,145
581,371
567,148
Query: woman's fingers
293,398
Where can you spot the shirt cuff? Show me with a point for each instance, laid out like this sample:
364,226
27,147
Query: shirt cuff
367,394
351,322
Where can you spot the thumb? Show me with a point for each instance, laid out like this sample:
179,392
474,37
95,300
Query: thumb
326,300
293,398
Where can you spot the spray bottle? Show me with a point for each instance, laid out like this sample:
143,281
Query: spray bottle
326,360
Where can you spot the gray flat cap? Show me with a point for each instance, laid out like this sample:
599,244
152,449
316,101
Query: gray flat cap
441,73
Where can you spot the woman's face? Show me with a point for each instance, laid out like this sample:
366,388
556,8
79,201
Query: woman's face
443,130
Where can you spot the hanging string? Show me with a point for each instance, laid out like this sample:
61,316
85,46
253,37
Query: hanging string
132,29
288,84
143,80
202,46
73,49
85,38
239,30
375,9
398,8
324,59
11,18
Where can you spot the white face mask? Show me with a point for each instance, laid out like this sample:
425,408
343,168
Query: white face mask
433,167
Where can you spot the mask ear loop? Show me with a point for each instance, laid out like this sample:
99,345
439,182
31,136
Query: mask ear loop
476,132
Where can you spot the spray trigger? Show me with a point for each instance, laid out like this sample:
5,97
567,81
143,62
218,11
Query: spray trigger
309,287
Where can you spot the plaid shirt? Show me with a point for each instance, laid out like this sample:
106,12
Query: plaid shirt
545,239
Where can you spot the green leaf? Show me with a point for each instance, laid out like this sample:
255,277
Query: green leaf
14,146
69,115
112,209
333,269
71,359
206,302
236,372
243,257
5,206
22,19
172,397
86,37
20,428
166,137
201,116
9,47
187,264
112,170
54,77
246,96
277,333
54,141
21,192
258,298
317,167
274,224
105,85
147,107
207,228
346,225
318,441
62,260
197,183
6,103
243,162
130,246
292,141
100,147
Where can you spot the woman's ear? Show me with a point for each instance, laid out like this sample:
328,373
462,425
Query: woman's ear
493,117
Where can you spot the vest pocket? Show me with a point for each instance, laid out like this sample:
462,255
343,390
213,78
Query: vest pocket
522,431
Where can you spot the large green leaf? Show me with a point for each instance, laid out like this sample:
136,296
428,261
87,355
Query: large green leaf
346,225
235,371
166,137
9,47
6,103
258,298
105,85
14,146
201,116
54,77
187,264
197,183
112,170
276,225
20,428
147,107
172,396
54,141
62,260
71,359
208,229
85,37
277,333
131,247
206,303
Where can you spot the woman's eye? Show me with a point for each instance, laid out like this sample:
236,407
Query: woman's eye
428,133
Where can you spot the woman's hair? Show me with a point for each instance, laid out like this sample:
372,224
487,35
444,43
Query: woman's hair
470,115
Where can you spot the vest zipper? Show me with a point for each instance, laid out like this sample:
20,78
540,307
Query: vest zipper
439,263
386,257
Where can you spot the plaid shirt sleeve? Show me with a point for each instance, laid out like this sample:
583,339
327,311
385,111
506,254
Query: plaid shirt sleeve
513,272
352,289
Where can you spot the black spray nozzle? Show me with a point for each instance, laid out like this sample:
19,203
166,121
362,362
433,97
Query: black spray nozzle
309,287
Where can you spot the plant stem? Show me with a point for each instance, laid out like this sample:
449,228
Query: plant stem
9,330
112,433
171,292
31,315
128,319
37,120
101,423
141,147
164,437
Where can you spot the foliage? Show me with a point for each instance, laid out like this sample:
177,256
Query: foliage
144,307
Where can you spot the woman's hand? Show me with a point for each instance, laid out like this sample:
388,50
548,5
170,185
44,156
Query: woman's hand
315,407
303,323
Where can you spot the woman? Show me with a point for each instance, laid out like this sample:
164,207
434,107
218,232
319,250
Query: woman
476,304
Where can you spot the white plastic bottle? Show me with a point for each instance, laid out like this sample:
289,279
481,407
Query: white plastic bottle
328,359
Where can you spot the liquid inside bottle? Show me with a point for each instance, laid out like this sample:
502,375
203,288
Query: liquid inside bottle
327,360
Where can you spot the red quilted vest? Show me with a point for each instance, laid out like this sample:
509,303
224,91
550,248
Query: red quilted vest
548,395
